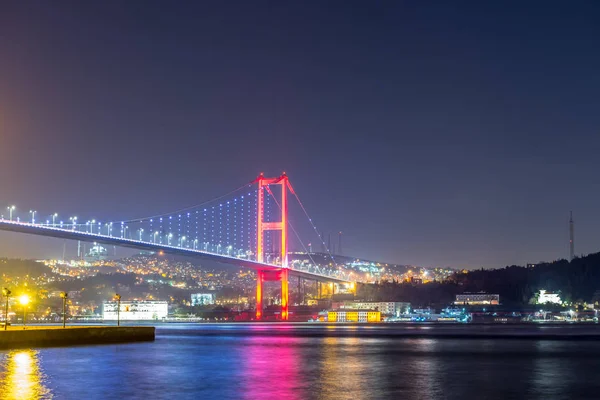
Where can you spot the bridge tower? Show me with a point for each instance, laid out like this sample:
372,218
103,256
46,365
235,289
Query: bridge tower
264,187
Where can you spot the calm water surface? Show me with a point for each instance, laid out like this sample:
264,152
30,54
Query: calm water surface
233,362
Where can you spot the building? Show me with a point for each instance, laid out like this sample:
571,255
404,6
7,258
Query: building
96,253
353,316
479,299
389,308
545,297
135,310
202,299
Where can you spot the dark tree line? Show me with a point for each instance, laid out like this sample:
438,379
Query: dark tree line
577,281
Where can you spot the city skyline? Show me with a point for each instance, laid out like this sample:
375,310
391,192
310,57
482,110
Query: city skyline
449,136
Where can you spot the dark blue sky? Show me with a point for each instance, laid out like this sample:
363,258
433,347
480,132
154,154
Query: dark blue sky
430,133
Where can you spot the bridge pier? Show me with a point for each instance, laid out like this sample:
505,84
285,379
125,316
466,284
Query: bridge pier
260,278
263,276
285,296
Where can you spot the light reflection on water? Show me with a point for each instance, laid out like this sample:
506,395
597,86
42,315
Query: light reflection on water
21,377
187,363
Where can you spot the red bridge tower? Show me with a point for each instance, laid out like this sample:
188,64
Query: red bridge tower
263,226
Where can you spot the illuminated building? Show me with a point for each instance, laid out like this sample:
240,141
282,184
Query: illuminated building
384,307
354,316
477,299
545,297
96,253
135,310
200,299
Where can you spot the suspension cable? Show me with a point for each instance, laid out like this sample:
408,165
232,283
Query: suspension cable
292,227
313,226
186,208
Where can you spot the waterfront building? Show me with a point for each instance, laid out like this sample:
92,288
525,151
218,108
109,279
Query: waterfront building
388,308
480,298
354,316
135,310
201,299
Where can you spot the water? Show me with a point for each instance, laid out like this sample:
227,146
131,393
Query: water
307,362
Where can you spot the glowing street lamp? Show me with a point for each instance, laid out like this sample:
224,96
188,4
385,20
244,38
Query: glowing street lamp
74,221
169,239
141,233
32,212
181,241
6,292
64,296
155,233
10,210
195,244
118,298
54,218
24,300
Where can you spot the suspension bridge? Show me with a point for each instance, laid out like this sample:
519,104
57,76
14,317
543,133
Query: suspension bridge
247,227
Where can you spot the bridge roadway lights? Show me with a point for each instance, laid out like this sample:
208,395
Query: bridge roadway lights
272,276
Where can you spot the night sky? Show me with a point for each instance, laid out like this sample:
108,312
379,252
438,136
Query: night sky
430,133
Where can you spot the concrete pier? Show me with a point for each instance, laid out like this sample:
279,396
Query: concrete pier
39,336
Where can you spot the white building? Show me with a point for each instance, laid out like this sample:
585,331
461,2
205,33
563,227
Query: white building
201,299
477,299
545,298
135,310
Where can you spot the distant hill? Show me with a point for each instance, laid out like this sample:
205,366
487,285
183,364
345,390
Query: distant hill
578,280
324,259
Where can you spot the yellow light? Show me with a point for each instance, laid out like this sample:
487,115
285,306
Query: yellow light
24,299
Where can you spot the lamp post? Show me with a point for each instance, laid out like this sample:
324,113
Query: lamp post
64,296
54,219
32,212
118,298
10,211
6,292
24,300
74,220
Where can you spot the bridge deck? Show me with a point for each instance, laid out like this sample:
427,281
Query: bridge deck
60,233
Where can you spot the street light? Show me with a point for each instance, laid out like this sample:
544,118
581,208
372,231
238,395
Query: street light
74,220
10,210
169,239
32,212
6,292
54,218
155,233
24,300
118,298
141,233
64,296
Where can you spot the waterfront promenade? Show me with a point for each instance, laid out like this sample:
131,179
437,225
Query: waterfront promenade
39,336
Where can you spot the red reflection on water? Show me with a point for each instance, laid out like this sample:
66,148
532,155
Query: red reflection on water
273,368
